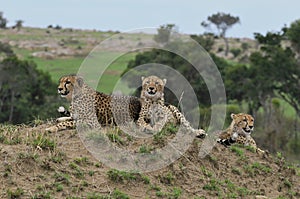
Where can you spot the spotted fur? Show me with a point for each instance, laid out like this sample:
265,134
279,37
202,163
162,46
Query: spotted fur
239,131
92,108
154,114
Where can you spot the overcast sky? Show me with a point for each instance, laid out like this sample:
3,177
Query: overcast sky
124,15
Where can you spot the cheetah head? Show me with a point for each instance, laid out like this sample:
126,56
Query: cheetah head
153,87
243,122
68,84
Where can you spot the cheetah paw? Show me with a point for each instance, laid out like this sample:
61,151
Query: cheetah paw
61,109
200,133
52,129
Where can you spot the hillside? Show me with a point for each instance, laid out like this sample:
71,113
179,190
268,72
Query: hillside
37,164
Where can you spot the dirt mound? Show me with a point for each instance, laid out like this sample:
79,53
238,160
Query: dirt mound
36,164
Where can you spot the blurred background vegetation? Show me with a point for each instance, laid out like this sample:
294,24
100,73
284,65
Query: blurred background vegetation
261,75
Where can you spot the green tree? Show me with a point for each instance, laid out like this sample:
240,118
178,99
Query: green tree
206,41
273,71
163,33
235,77
19,24
3,21
280,68
293,34
25,92
222,22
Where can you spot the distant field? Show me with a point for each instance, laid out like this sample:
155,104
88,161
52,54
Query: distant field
64,66
30,40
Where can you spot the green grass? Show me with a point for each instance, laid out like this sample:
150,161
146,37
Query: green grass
121,176
114,137
81,161
9,134
116,194
44,195
259,166
287,184
58,157
59,187
63,66
119,194
62,178
256,168
174,193
59,67
15,193
251,148
161,137
237,150
213,185
44,142
28,156
77,171
236,171
145,149
205,171
167,179
7,170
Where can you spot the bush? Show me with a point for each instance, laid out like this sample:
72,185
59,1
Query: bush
206,41
236,52
26,93
244,46
3,21
294,146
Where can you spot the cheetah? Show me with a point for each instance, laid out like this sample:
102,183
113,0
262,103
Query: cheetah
239,131
92,108
154,113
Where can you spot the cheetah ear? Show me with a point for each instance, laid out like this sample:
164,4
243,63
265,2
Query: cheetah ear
79,81
232,116
165,81
143,78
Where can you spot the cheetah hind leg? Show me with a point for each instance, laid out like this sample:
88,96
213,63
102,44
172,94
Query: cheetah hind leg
152,129
61,126
63,119
52,129
179,117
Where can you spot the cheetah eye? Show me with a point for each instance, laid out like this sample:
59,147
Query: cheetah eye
68,82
